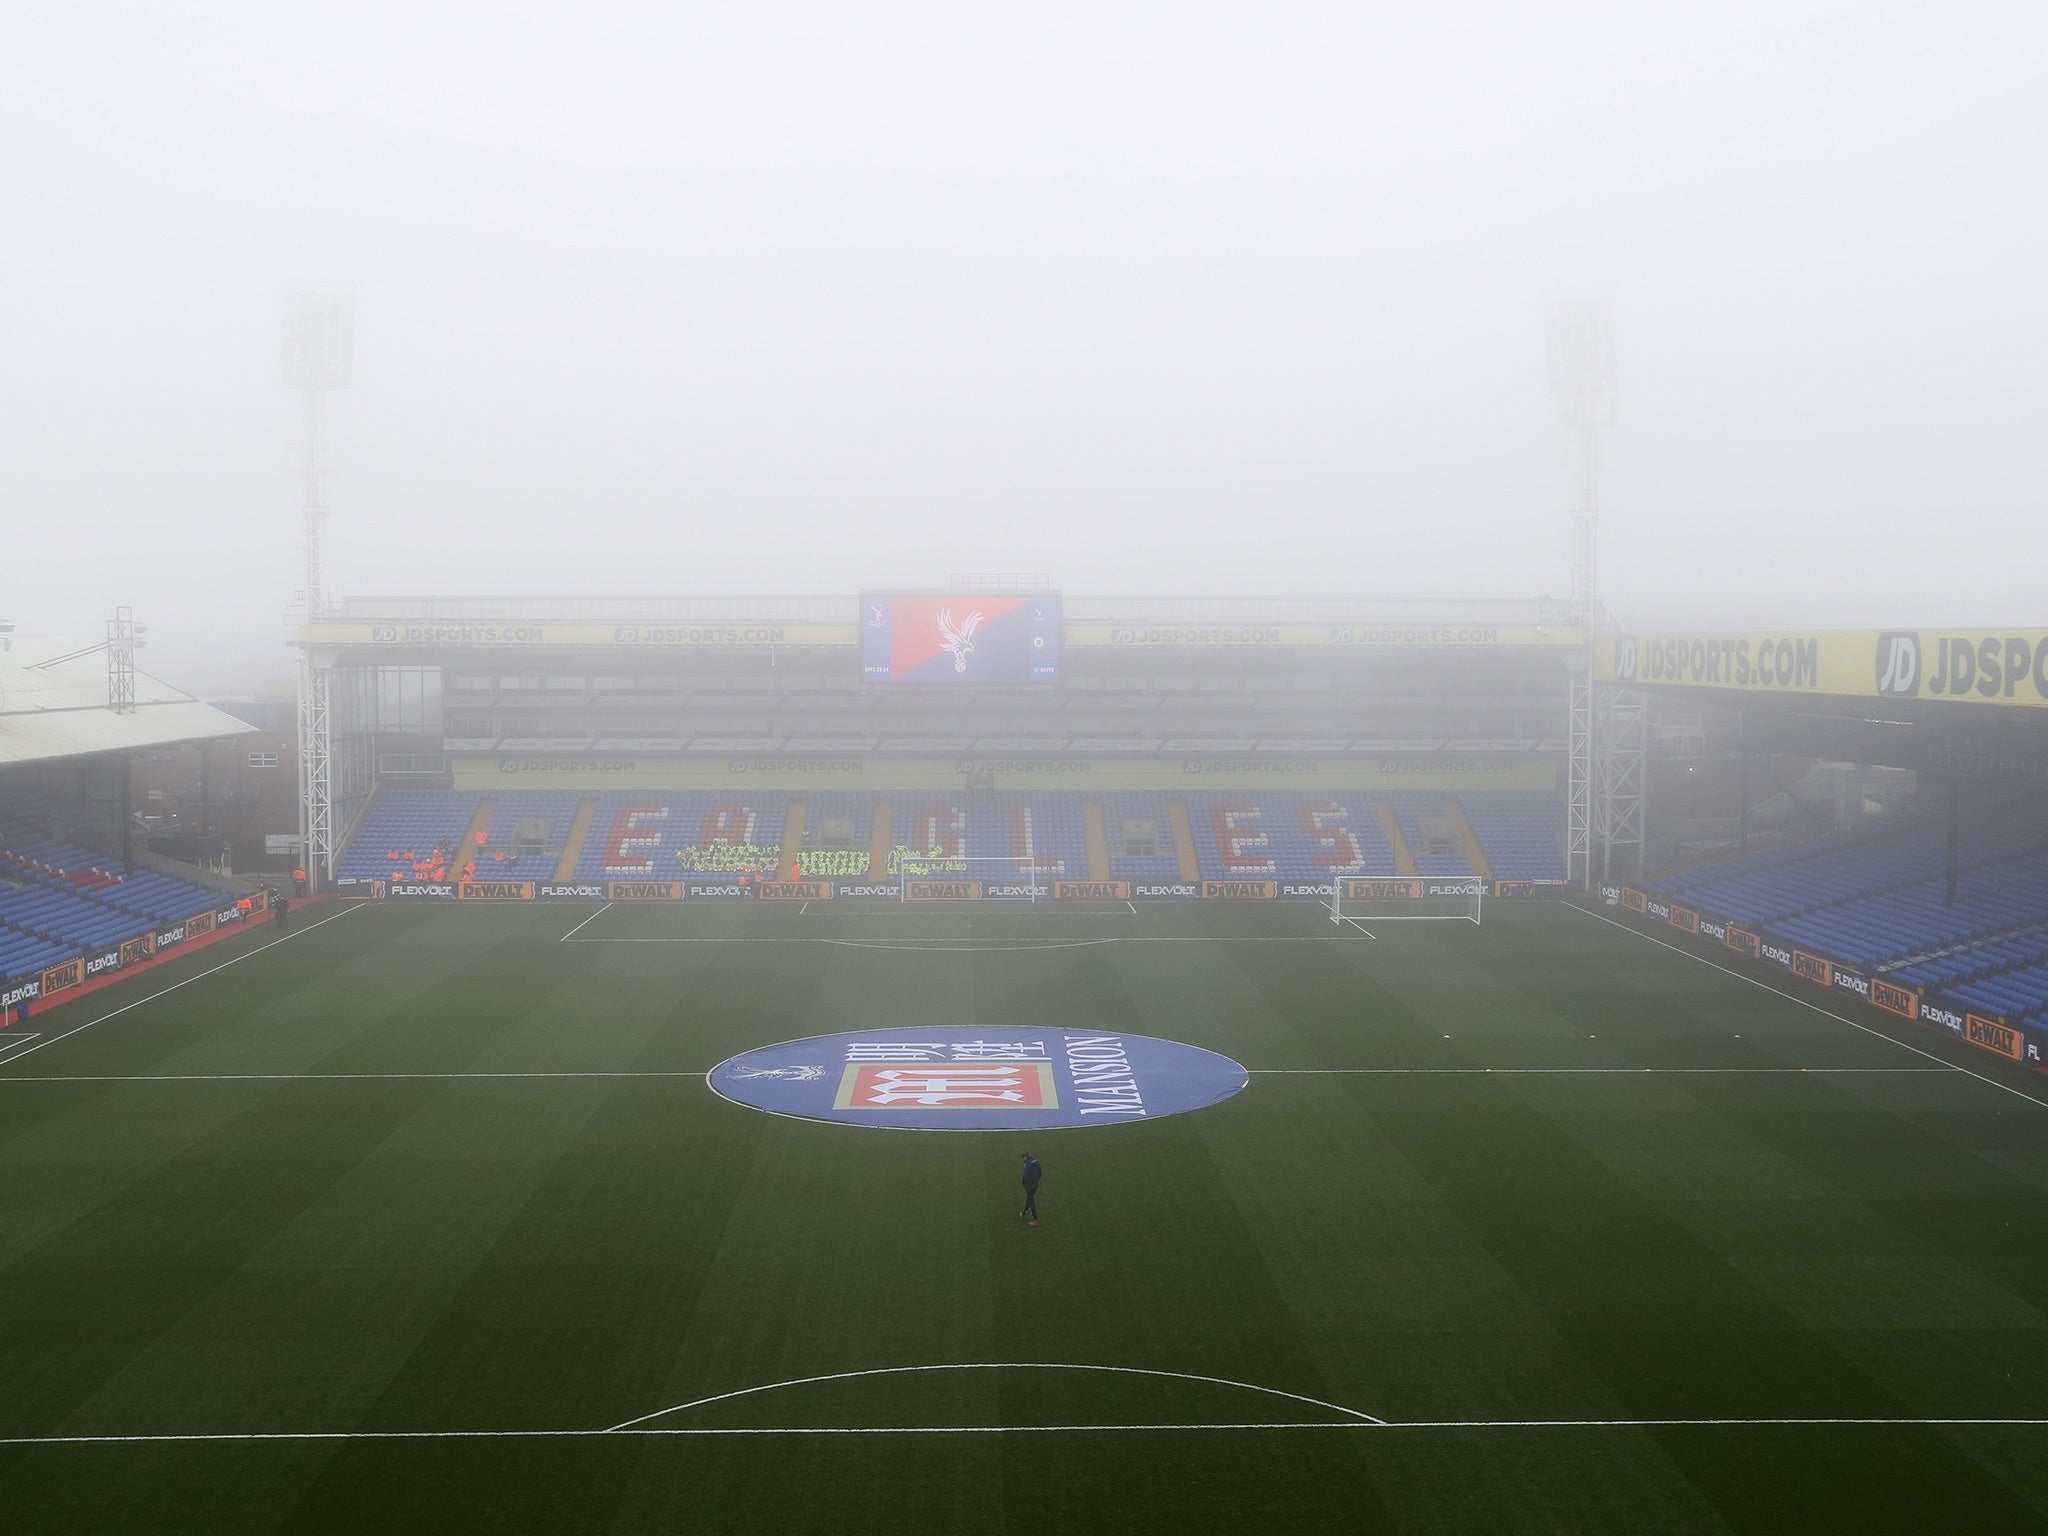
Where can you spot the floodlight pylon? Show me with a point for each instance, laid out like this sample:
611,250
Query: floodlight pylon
319,356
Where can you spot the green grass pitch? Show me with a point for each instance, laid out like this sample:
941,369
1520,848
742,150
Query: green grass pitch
383,1227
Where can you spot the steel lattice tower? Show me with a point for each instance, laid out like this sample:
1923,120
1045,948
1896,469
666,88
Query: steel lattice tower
319,355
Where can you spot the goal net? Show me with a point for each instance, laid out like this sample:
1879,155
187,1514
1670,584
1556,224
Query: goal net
972,877
1358,898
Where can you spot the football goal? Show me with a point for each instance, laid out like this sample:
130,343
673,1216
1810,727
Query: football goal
1377,899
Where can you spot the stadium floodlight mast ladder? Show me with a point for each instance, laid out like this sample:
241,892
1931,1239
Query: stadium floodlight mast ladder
319,354
1407,899
1030,870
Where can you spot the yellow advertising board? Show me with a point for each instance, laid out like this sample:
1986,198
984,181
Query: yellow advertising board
494,890
1206,775
1978,666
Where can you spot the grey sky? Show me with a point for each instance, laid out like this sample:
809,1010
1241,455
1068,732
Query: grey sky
1147,297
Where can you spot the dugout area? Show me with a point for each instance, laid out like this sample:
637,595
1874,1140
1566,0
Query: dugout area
404,1221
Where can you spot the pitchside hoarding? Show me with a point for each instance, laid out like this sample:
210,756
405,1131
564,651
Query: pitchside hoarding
52,981
923,888
1991,1033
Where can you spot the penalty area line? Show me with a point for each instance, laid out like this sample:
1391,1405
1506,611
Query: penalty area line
600,912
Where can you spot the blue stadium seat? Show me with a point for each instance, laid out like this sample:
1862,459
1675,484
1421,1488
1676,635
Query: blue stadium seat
1877,895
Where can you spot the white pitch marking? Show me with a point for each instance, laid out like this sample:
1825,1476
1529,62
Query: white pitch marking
331,1077
1824,1012
1000,1365
1361,1425
1941,1071
600,912
246,954
962,946
9,1042
1312,938
459,1077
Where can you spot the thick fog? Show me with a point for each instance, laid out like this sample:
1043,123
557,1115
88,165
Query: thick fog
1147,298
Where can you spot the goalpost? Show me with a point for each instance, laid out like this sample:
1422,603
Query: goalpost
1378,899
999,877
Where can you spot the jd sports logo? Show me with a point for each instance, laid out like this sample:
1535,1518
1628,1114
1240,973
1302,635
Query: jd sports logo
1898,664
383,634
1624,658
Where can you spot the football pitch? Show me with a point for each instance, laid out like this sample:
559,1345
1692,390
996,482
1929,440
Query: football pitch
427,1218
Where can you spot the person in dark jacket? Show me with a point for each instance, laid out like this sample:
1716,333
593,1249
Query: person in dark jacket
1032,1174
280,907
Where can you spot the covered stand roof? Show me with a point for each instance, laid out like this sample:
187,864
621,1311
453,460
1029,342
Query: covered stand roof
53,704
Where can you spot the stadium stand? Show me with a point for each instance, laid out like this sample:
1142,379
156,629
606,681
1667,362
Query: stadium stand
1887,928
850,819
2008,974
1135,820
1521,832
525,833
1424,826
401,822
1877,895
1865,860
1290,835
1042,829
701,836
2020,993
58,899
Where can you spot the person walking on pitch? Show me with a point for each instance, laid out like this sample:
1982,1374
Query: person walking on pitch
1032,1174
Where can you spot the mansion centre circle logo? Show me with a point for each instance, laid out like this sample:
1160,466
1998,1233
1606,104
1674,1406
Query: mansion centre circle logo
981,1079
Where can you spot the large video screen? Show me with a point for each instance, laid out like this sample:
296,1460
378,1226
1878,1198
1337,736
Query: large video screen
974,637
